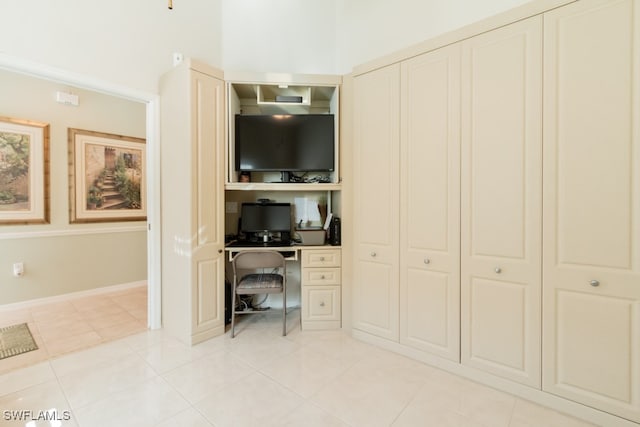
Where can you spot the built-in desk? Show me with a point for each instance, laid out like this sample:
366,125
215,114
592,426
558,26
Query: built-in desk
320,281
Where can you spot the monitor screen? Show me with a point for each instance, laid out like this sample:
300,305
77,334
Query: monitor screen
285,142
258,217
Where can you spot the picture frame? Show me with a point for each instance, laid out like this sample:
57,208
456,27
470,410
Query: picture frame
24,171
107,177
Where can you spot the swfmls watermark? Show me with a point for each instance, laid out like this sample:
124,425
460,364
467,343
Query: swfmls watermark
30,418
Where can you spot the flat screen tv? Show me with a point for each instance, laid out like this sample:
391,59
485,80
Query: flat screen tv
285,143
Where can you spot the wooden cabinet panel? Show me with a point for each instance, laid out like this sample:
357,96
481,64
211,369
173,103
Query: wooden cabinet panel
430,203
501,188
376,198
592,205
192,147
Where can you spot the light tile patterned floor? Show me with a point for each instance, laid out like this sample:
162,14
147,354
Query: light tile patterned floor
259,378
62,327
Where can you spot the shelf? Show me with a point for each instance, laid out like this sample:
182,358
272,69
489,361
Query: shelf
291,95
276,186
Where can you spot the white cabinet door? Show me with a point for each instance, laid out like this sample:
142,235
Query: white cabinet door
192,128
501,201
592,205
376,198
208,261
430,203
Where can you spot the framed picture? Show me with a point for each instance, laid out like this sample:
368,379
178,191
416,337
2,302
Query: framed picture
24,171
106,177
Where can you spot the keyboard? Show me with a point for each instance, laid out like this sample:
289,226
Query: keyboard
256,244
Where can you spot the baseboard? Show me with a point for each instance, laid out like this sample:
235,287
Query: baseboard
21,305
540,397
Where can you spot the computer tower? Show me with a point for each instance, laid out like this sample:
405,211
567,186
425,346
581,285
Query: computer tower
335,232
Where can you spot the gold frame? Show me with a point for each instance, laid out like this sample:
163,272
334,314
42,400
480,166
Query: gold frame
37,201
90,151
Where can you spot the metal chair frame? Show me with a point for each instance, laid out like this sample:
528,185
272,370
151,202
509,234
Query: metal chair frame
244,265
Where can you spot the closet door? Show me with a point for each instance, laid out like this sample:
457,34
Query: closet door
501,201
592,205
376,188
430,203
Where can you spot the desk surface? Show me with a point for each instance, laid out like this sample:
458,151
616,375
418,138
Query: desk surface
290,249
277,248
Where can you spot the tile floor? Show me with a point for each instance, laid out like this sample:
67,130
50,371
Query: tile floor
78,323
308,378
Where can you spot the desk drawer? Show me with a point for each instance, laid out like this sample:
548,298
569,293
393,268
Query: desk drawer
321,258
321,276
321,303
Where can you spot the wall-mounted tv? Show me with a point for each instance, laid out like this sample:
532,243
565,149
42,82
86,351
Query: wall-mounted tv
285,143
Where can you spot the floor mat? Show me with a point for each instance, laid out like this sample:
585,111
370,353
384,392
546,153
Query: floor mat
16,339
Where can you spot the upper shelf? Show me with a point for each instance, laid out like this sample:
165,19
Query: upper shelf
283,94
270,186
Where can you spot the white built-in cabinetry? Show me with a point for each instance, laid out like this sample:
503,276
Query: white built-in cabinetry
319,272
192,148
591,310
455,254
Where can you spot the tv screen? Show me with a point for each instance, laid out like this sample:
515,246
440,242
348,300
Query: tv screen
285,143
258,217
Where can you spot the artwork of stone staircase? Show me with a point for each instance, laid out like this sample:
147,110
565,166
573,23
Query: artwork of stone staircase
112,199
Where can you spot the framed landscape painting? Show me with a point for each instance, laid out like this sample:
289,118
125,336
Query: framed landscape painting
106,177
24,171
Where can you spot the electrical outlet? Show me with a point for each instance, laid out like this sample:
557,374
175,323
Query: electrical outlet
18,269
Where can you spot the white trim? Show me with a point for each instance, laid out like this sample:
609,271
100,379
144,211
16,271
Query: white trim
152,100
154,195
71,232
24,66
21,305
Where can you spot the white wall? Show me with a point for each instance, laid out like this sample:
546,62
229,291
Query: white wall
130,43
126,42
369,29
290,36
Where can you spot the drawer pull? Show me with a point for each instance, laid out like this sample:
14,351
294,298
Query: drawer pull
373,254
322,304
498,270
594,283
323,277
427,261
321,258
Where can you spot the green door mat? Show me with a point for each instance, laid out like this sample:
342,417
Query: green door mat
16,339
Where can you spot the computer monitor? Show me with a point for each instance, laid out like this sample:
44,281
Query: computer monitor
266,218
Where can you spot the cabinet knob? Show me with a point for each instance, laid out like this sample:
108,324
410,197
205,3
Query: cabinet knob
594,283
427,261
321,258
322,277
373,254
322,304
219,251
498,270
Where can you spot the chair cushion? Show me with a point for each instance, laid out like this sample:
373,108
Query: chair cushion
255,283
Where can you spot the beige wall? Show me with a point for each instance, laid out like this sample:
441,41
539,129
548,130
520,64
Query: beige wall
60,257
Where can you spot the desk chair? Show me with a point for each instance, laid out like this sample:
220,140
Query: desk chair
247,282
